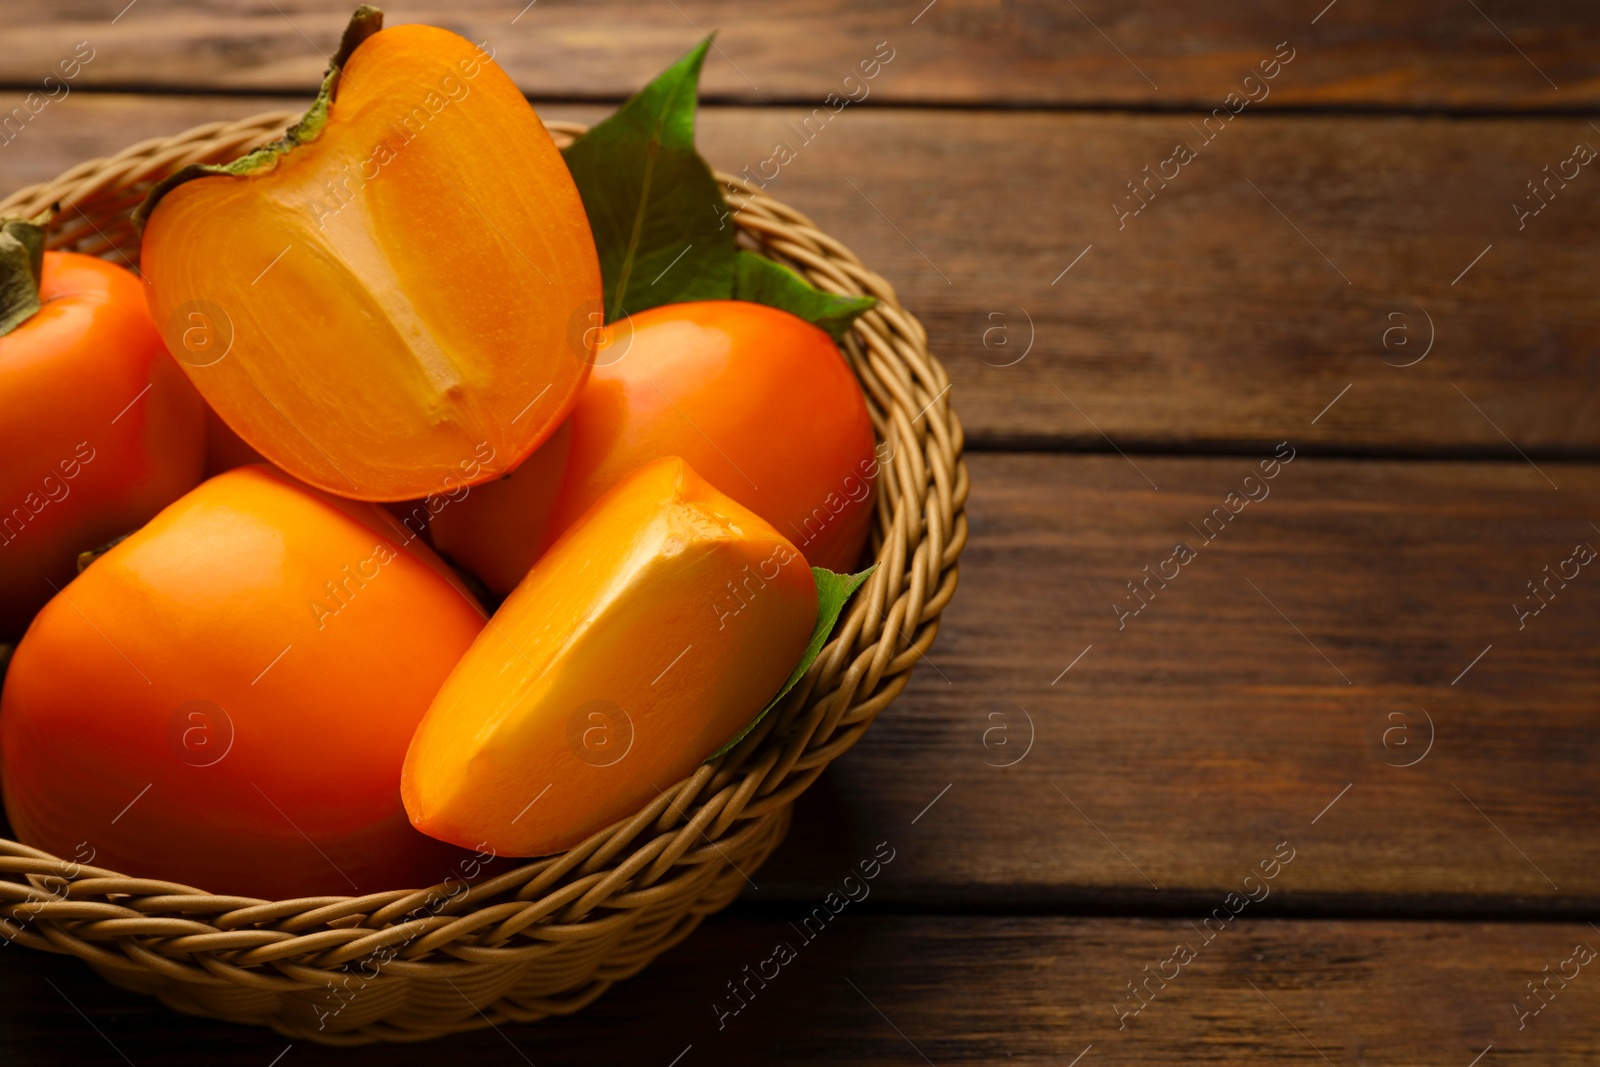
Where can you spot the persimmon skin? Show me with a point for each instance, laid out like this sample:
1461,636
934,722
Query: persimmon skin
490,529
652,632
319,633
99,430
758,401
391,304
225,449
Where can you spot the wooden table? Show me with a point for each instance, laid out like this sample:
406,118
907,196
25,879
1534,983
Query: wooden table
1324,789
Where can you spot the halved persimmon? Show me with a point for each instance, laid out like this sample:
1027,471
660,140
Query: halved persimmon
395,290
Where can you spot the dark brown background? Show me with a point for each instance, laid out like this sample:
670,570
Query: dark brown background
1271,693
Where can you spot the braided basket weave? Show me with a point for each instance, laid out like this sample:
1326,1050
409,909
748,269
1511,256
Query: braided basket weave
550,935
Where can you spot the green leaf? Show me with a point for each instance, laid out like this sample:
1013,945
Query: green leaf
658,216
833,592
762,281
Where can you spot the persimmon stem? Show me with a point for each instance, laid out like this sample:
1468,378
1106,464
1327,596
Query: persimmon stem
364,22
21,263
88,556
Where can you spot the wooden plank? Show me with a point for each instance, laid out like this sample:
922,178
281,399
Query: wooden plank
1212,319
954,990
1165,53
1274,691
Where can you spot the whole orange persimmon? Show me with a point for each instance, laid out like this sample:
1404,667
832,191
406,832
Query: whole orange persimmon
758,401
225,698
98,428
385,300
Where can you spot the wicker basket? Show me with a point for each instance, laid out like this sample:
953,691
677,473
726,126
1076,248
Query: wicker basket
551,935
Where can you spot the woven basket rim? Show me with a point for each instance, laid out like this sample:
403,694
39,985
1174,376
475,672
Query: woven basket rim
188,937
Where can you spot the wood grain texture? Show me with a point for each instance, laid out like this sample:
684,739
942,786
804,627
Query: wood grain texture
951,990
1164,53
1302,651
1295,256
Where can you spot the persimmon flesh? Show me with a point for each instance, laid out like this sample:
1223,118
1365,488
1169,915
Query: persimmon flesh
649,635
394,292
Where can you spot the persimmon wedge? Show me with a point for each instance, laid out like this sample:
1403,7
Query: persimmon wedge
650,634
389,293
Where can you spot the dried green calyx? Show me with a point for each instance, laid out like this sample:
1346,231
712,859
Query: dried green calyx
366,21
21,263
